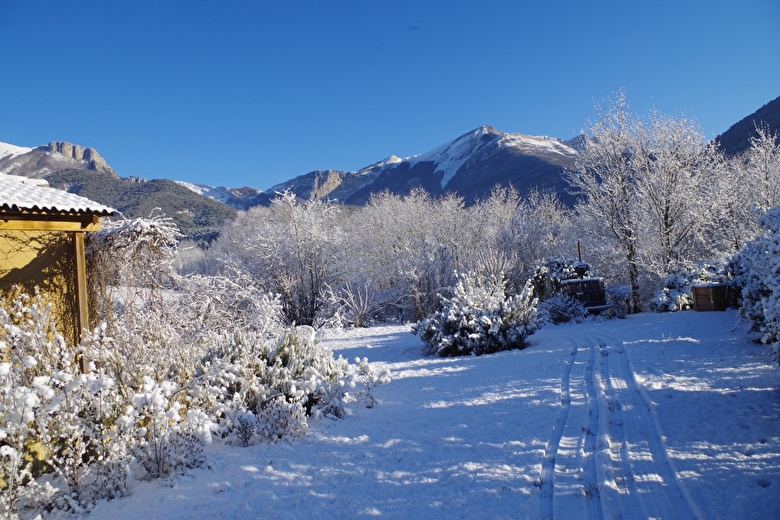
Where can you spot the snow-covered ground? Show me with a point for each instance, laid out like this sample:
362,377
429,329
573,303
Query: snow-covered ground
11,149
654,416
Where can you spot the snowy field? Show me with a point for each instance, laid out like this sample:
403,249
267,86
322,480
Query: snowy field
654,416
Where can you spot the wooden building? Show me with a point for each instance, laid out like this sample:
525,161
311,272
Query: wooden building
42,246
710,297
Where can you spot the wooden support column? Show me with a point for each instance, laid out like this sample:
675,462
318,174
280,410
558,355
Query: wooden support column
81,283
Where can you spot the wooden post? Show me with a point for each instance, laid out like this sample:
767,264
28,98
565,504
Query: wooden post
81,283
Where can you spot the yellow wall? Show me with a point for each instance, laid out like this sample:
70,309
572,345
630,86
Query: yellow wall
43,259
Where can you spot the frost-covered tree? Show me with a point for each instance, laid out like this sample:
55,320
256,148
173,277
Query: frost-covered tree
412,244
606,177
740,191
762,165
645,190
678,166
518,231
730,211
292,248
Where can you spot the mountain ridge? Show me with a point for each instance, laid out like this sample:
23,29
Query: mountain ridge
471,166
737,138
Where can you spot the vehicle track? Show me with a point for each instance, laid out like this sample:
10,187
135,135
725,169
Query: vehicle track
606,457
569,478
645,482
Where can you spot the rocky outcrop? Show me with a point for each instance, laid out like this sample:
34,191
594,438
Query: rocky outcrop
40,162
88,156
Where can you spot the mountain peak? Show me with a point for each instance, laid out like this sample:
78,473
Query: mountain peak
488,129
88,157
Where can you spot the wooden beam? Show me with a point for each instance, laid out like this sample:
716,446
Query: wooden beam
50,225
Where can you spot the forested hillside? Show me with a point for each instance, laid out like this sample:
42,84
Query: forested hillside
197,217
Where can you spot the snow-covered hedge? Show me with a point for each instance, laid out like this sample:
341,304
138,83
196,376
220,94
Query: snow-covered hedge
757,274
81,418
479,318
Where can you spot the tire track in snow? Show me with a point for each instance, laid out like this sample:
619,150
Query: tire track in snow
638,476
547,473
618,490
591,484
569,475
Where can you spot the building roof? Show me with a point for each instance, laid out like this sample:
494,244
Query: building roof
22,194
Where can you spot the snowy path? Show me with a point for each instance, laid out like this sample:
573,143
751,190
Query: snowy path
657,416
606,456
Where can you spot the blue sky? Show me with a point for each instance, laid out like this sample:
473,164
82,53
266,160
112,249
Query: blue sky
253,93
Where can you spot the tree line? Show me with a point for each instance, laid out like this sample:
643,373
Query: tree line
655,198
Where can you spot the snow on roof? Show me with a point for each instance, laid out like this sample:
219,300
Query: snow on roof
21,193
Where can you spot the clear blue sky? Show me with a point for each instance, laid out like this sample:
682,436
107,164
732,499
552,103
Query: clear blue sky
253,93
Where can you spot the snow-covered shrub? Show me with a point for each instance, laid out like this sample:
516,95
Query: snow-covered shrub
562,308
371,379
297,367
19,405
617,299
674,295
757,272
359,302
206,303
267,386
479,318
165,435
57,415
279,418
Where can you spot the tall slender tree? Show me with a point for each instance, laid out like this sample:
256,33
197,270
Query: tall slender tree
606,176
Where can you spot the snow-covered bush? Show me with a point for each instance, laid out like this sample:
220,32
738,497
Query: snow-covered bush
57,415
359,302
757,272
266,387
617,300
479,318
371,379
562,309
164,434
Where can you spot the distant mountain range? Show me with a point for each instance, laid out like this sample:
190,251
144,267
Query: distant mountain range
82,171
470,166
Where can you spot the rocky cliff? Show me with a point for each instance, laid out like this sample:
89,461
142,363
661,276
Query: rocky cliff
52,158
88,157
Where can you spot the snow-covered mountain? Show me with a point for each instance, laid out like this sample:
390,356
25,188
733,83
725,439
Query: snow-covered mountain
470,165
56,156
238,198
80,170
